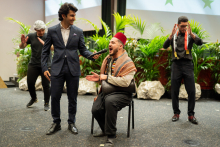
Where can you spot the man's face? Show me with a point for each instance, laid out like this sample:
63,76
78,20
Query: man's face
113,46
70,18
183,27
40,32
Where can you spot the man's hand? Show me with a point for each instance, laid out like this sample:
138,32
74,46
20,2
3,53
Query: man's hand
47,75
173,32
190,31
94,77
95,98
41,41
23,43
103,77
23,39
96,56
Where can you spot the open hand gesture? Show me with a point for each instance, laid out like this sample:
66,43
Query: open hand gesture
173,31
23,39
189,29
94,77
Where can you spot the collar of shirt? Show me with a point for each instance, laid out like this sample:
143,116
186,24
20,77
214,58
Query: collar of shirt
64,28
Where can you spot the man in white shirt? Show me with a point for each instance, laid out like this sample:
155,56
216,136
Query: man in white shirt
66,39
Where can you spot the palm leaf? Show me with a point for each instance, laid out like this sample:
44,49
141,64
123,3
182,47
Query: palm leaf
94,25
49,22
153,30
23,28
106,28
137,24
121,22
198,29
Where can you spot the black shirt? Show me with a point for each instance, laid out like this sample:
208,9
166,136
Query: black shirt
180,49
36,49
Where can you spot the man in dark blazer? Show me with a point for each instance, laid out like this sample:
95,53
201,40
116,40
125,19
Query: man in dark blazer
66,39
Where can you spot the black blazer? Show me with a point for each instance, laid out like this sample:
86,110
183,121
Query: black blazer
74,43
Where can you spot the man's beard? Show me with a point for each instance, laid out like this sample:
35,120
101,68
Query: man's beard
114,52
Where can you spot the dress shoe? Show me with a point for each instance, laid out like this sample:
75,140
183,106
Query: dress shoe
73,128
31,102
193,120
99,135
46,107
53,129
109,142
175,117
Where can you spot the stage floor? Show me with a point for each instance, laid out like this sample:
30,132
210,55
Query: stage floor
21,126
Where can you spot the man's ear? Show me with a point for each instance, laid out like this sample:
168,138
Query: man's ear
63,16
121,46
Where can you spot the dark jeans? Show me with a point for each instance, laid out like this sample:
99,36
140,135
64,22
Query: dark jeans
72,84
32,75
183,69
106,116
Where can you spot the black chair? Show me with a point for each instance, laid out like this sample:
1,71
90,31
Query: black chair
130,106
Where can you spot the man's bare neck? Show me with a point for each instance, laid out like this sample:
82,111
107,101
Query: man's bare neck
64,24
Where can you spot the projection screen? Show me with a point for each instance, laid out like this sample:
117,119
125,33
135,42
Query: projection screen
166,12
87,9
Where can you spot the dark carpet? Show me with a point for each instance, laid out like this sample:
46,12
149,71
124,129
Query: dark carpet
26,127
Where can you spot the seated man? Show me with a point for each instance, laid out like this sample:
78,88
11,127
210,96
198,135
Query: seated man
117,69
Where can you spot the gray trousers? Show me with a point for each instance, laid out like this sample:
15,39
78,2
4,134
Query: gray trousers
105,110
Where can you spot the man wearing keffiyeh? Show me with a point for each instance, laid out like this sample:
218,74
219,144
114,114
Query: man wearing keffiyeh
182,67
117,69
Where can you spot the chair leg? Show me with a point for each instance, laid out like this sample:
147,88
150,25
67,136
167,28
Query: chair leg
129,118
132,114
92,125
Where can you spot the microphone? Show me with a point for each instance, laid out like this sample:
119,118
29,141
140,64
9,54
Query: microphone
99,52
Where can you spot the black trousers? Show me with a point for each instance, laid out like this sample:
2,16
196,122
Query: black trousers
183,69
32,75
72,84
106,115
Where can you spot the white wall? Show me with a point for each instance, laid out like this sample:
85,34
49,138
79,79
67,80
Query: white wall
26,11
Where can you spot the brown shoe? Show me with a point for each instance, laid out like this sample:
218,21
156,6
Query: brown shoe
193,120
175,117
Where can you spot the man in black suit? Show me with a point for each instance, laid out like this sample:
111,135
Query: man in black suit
66,39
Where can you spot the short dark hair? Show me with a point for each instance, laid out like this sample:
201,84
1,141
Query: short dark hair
121,43
182,19
64,9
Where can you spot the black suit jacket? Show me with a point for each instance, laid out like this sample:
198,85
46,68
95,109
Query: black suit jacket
75,42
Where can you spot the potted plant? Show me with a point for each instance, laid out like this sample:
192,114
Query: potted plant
149,69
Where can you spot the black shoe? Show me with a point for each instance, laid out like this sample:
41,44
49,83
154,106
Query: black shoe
109,142
73,128
175,117
46,107
53,129
193,120
99,135
31,102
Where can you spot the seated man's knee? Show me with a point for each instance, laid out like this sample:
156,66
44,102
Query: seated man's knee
109,101
94,110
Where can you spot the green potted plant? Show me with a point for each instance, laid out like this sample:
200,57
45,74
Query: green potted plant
149,69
